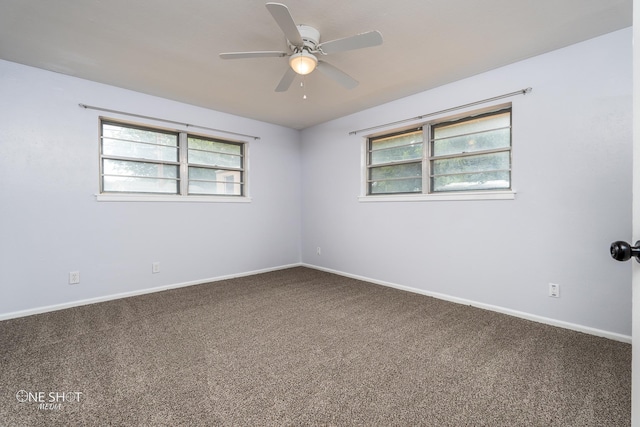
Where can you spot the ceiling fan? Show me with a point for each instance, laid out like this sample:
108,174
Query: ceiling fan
305,47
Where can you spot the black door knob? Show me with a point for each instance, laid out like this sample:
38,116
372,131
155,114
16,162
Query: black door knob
623,251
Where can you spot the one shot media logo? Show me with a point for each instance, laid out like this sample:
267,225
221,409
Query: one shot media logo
52,400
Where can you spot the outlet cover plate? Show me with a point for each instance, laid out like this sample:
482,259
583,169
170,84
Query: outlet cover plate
74,277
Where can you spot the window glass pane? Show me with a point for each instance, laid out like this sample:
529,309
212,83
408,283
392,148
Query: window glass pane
229,188
215,159
396,171
139,135
215,188
215,181
121,167
113,147
488,140
410,185
472,181
213,174
480,163
397,154
139,185
396,140
479,124
211,145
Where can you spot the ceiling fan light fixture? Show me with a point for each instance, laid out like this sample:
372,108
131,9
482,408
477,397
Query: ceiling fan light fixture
303,62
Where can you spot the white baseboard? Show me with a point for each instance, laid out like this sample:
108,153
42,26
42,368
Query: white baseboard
540,319
535,318
55,307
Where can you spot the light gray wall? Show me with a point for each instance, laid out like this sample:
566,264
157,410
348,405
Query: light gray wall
571,170
51,223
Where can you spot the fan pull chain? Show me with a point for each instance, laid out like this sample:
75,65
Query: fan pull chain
304,88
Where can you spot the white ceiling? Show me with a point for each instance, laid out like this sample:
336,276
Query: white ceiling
170,48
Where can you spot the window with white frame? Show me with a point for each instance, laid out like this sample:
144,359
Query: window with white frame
146,160
468,154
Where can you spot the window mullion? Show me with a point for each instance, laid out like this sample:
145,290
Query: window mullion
184,163
426,155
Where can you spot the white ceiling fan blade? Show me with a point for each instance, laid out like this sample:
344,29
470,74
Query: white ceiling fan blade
261,54
286,23
359,41
337,75
286,80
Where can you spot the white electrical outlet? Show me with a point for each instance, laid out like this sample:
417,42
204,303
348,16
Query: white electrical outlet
554,290
155,267
319,250
74,277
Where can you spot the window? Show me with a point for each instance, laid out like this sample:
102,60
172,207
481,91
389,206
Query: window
139,160
215,167
145,160
472,153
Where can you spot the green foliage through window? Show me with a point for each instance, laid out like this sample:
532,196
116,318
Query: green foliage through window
468,154
137,159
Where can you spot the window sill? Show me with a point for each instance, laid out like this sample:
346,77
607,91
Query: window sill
169,198
434,197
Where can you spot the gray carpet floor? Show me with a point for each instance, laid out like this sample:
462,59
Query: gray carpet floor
304,347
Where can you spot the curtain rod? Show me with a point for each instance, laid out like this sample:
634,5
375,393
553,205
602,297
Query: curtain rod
165,120
506,95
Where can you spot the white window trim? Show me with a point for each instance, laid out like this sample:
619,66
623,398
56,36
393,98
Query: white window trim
435,197
130,197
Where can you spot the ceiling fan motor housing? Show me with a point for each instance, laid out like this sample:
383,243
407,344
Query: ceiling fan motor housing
310,37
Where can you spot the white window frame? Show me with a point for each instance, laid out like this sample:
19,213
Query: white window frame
183,163
427,194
